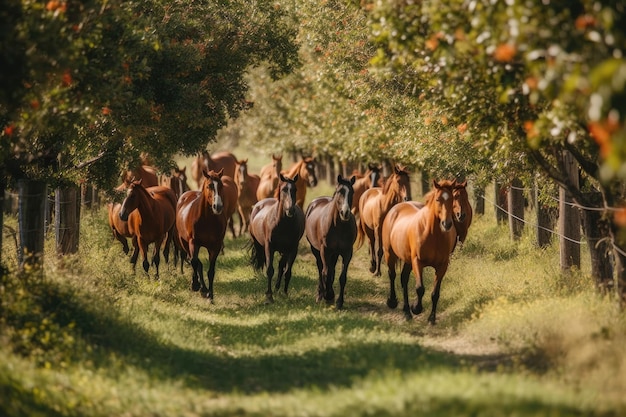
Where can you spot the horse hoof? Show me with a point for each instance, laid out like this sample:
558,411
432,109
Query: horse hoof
373,268
431,320
408,316
417,310
339,305
392,302
269,299
195,286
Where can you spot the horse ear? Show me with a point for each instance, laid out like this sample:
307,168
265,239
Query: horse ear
396,169
436,184
295,179
205,173
282,177
461,184
338,178
353,180
220,172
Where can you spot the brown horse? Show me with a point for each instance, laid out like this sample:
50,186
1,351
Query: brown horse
145,173
276,225
305,171
118,226
268,178
229,199
201,222
462,210
207,162
373,207
420,237
177,181
247,185
150,213
371,178
331,232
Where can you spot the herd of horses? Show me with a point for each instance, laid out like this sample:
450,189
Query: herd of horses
165,212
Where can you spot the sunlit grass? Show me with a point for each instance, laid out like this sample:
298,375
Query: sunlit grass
514,337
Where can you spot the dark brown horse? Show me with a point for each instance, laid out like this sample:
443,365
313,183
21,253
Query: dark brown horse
213,162
373,207
268,178
150,213
247,185
371,178
304,169
420,237
201,222
276,225
331,232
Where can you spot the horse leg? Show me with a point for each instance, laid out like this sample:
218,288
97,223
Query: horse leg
144,254
419,287
392,300
196,265
156,259
343,278
371,237
281,271
211,274
135,255
439,273
379,249
269,260
289,264
329,273
404,281
321,285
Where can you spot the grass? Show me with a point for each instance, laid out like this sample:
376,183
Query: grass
514,337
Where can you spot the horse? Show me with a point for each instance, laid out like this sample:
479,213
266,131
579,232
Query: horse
305,171
420,237
268,178
229,199
219,160
276,225
462,210
373,207
150,213
247,185
177,181
371,178
331,231
145,173
201,222
118,226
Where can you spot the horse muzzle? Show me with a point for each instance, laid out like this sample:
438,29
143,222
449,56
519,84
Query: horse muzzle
217,208
446,225
124,216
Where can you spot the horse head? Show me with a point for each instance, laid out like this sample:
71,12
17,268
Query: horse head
461,201
309,165
212,190
399,183
277,164
374,175
242,172
287,194
443,200
131,202
343,197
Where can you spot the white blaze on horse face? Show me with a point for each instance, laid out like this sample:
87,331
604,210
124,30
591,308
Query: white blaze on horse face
445,224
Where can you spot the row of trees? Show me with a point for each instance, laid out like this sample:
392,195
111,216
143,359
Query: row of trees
86,86
511,92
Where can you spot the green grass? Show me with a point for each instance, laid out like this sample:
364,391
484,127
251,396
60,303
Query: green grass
514,337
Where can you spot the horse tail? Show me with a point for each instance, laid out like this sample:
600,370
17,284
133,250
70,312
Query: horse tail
360,233
257,255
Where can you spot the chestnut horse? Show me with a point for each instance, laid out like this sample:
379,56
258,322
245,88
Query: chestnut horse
219,160
247,185
201,222
331,232
420,237
118,226
373,207
462,210
268,178
145,173
305,171
371,178
276,225
150,213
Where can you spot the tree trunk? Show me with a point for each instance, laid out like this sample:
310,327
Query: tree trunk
3,187
516,209
67,220
569,219
597,234
479,200
501,203
546,220
33,196
426,183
